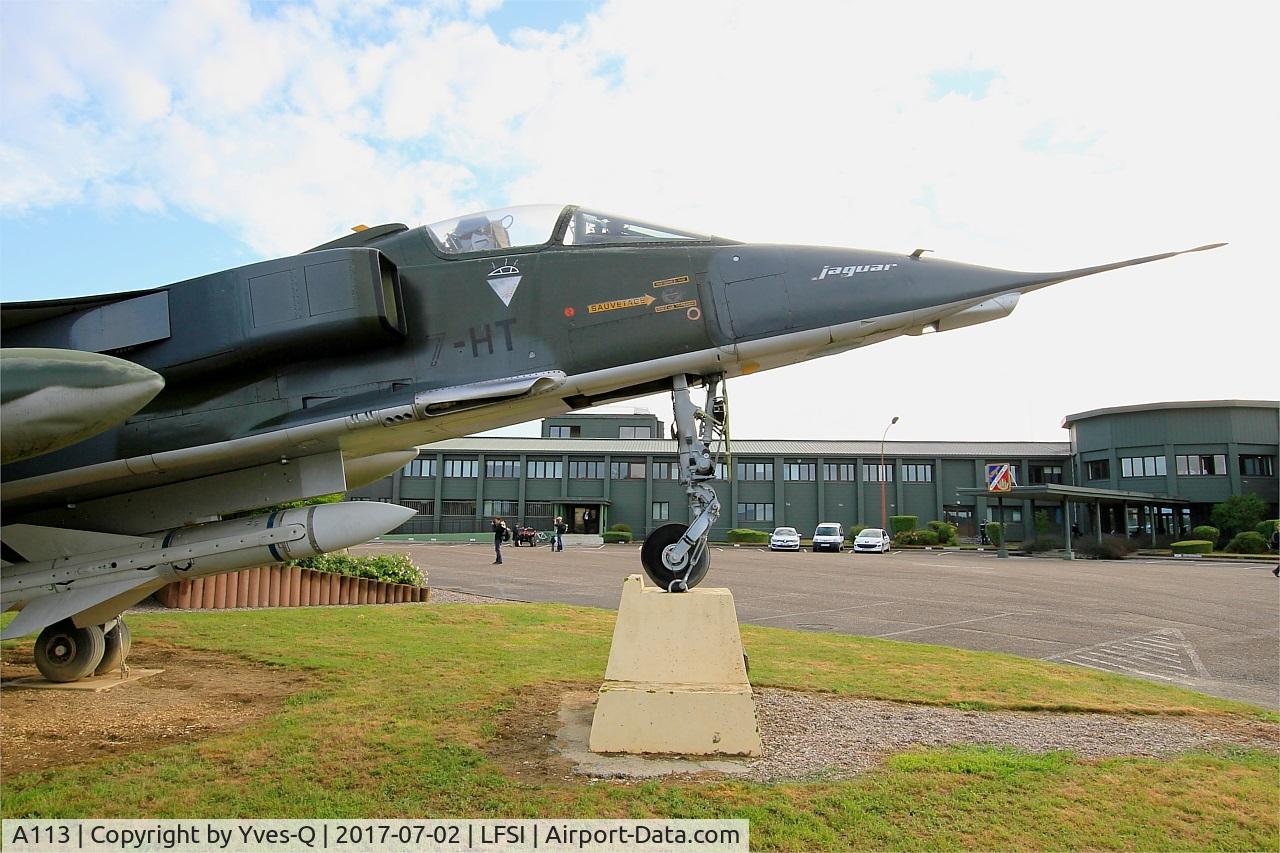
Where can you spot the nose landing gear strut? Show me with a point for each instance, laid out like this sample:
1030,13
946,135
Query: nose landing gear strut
675,557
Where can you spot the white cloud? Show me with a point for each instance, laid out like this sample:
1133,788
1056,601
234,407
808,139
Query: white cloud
1109,132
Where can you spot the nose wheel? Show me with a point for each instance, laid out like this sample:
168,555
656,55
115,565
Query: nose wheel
671,571
675,556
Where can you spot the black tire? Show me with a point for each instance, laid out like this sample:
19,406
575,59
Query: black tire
118,642
651,557
65,653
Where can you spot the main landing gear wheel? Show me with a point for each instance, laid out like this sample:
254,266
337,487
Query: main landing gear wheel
66,653
662,574
118,643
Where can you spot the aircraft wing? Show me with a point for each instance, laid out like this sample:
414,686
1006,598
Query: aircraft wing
166,489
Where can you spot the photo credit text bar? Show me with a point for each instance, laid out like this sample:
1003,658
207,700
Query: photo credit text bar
375,836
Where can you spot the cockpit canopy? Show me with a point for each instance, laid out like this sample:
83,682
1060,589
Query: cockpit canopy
529,226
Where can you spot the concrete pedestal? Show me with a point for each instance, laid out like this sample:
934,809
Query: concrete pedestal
676,681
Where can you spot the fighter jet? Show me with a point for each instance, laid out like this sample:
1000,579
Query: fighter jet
316,373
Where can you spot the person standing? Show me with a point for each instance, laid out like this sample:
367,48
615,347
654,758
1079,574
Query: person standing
557,544
500,534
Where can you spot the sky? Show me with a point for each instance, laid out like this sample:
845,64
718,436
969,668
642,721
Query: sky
145,143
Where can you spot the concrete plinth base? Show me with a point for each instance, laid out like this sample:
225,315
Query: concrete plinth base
676,681
93,684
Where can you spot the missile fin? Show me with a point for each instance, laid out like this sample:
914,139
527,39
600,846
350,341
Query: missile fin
54,607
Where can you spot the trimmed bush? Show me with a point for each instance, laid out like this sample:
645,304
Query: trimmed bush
393,568
1249,542
616,537
995,535
1266,527
620,527
946,532
916,537
747,535
1204,531
1192,546
1040,544
1110,548
901,523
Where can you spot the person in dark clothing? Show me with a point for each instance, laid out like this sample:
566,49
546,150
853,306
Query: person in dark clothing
500,534
557,544
1275,546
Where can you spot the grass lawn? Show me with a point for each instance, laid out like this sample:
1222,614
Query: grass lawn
408,697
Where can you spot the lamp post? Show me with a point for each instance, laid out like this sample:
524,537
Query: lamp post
884,514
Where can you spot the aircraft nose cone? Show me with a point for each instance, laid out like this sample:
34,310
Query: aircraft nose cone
341,525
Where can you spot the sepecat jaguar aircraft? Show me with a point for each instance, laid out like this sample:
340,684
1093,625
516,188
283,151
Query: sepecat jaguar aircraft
136,423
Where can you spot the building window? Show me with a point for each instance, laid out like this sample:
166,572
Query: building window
839,471
627,471
504,509
722,471
545,469
539,511
1046,473
462,468
635,432
755,470
502,469
564,431
803,472
755,512
1098,469
1258,466
420,507
917,473
1201,465
661,510
666,470
420,468
458,508
877,473
1142,466
586,470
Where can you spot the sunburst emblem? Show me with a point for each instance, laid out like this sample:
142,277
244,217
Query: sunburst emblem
504,280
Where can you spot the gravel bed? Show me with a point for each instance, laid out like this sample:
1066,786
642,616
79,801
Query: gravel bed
806,734
450,596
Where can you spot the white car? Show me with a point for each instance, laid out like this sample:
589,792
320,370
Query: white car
872,539
828,537
784,539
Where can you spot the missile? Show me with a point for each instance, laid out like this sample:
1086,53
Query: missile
51,590
53,398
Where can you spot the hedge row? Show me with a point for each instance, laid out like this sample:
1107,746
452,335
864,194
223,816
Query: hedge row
392,568
1192,546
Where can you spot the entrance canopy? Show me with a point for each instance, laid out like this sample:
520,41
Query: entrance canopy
1056,493
1067,495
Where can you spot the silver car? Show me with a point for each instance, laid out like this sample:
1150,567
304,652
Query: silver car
872,539
784,539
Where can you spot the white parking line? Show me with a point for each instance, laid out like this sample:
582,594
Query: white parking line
816,612
950,624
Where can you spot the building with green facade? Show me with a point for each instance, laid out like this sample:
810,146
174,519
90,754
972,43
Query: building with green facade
598,469
1202,452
